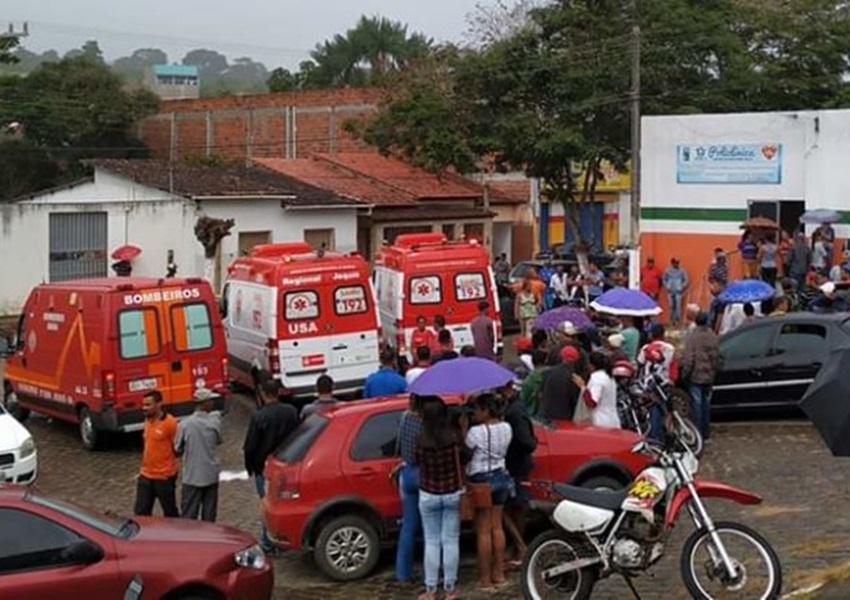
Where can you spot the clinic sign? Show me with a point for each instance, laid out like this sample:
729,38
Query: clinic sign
729,163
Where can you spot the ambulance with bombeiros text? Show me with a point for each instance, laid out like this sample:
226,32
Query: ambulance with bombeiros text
88,351
300,314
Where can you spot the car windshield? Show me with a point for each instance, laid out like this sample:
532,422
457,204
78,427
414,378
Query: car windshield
107,523
295,447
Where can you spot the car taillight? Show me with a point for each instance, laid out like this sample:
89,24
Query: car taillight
109,385
285,489
274,357
224,368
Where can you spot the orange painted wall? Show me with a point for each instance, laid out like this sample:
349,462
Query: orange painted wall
695,251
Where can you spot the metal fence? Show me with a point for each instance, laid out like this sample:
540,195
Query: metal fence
78,245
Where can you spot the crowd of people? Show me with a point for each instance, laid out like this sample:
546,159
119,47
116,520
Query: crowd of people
484,446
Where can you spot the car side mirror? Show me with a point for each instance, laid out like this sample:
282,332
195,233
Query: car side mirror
83,552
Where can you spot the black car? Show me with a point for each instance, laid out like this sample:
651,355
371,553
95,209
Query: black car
771,362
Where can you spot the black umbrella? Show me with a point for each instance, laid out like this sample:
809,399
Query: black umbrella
827,404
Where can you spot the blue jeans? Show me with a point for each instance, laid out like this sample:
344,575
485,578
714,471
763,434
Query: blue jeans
441,522
701,408
656,423
411,523
265,542
675,299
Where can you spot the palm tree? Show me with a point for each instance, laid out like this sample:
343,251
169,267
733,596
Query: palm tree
375,47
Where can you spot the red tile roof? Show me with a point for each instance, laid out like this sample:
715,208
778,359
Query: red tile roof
398,174
342,182
510,191
234,180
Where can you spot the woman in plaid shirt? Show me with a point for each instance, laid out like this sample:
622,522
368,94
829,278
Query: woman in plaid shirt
439,454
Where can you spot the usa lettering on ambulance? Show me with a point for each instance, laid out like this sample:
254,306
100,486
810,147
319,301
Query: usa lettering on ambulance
162,296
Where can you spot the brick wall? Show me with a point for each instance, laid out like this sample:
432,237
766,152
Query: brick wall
287,125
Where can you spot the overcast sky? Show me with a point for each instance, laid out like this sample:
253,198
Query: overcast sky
275,32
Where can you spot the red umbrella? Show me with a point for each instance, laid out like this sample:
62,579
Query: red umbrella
759,223
126,252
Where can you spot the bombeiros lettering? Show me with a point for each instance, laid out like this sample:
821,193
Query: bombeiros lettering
162,296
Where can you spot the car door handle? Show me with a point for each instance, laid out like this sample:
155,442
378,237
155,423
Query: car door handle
365,473
340,347
177,365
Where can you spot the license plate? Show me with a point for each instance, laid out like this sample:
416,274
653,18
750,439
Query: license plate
141,385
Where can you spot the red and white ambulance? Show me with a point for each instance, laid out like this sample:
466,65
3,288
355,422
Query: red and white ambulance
300,314
88,351
423,274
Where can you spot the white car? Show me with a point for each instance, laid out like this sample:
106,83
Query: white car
18,458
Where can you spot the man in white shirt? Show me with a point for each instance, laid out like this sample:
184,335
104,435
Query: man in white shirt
423,361
559,282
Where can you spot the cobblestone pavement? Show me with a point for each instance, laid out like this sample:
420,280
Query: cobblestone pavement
805,515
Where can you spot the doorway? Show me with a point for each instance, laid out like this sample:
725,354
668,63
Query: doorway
786,213
320,239
249,239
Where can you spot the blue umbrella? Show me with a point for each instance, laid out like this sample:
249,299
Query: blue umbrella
626,302
552,318
820,215
461,376
746,290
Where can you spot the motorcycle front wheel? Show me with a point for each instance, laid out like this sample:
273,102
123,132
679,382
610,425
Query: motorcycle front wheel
549,550
686,431
758,573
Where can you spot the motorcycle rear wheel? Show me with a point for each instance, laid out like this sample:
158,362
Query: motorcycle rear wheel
575,585
728,531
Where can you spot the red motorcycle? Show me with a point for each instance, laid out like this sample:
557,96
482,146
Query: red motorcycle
602,533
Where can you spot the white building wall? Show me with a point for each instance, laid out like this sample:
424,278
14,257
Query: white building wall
155,227
285,225
150,219
815,155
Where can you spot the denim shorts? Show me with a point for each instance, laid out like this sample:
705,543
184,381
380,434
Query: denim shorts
521,498
501,485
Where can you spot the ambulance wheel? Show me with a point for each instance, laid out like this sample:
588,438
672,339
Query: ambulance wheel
89,434
11,403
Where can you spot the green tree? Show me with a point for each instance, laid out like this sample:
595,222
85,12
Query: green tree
283,80
554,94
368,52
7,46
132,68
66,112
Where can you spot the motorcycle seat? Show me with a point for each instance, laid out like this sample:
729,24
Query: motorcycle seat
606,499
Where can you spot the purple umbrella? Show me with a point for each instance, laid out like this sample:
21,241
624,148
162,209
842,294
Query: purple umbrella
552,318
461,376
626,302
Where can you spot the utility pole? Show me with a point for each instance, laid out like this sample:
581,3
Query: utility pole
11,33
634,232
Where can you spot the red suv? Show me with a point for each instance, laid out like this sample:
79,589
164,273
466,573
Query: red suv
329,488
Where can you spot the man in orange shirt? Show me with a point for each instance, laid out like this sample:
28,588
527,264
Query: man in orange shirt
158,476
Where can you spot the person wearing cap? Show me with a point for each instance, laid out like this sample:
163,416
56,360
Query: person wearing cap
614,346
561,387
197,440
828,300
650,279
675,282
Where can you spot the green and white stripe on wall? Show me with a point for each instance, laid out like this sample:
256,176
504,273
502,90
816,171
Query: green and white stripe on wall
676,219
